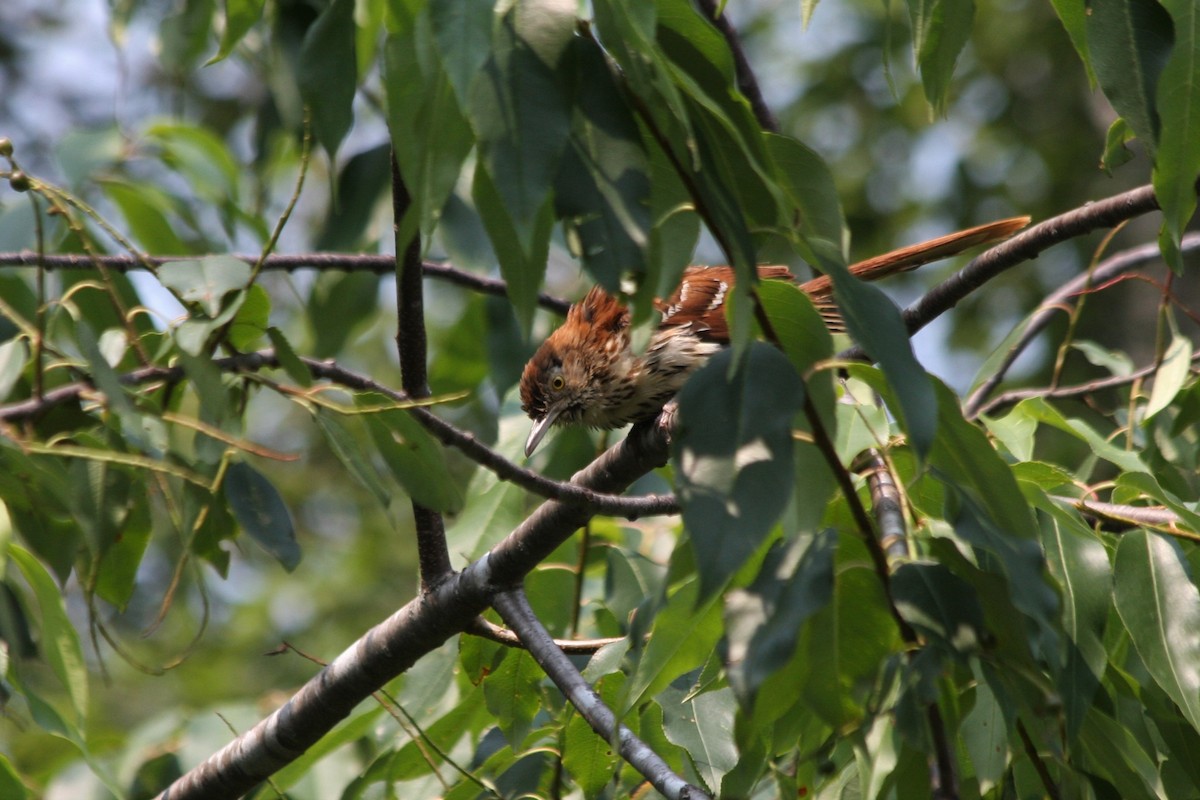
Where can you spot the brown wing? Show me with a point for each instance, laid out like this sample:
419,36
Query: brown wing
820,289
699,300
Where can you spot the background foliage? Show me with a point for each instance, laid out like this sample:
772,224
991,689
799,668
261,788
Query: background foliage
161,538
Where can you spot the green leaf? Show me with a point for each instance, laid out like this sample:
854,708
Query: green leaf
1112,751
521,118
429,133
521,269
602,190
874,322
591,760
735,478
146,211
984,732
1177,159
240,16
362,184
513,695
59,640
353,457
328,73
206,280
338,307
296,369
809,184
117,576
1073,14
702,725
940,605
685,632
941,29
1115,151
462,30
1039,410
250,322
202,157
13,356
1129,43
1079,562
1171,375
262,513
1160,607
763,621
11,785
414,457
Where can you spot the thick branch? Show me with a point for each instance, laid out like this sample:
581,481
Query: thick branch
420,626
433,554
514,609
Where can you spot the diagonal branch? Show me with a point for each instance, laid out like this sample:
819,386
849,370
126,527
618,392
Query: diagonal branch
515,610
746,80
422,625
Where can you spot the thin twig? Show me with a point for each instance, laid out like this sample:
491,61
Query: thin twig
1039,765
572,647
1106,270
349,262
746,80
1024,246
515,610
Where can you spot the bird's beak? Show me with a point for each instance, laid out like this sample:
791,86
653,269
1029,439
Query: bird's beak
540,426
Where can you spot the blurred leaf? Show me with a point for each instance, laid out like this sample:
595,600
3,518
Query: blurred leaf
14,354
763,621
414,457
602,190
262,513
1116,152
941,29
240,16
459,361
462,30
206,280
11,785
513,695
116,577
1129,43
1177,158
185,35
412,759
145,209
80,153
296,369
339,305
1171,375
733,456
521,121
551,590
363,182
353,457
200,156
429,133
250,322
328,74
57,637
1160,607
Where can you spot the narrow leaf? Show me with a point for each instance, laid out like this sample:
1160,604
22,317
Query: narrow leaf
262,513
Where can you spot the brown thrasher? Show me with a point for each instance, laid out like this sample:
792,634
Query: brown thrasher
586,372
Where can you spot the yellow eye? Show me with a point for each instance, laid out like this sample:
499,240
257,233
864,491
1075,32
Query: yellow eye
557,383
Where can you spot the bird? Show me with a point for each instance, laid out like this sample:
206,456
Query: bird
587,372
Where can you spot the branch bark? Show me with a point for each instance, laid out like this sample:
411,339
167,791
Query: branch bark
420,626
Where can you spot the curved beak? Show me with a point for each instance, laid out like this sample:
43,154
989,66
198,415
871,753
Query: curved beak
539,429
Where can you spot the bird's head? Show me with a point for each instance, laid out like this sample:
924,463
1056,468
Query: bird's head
564,382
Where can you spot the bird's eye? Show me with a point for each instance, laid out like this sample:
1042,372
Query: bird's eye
557,383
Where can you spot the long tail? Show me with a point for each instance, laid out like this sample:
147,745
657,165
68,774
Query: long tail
916,255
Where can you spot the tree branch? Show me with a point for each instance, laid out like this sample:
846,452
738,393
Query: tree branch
433,554
349,262
746,80
593,501
420,626
1106,270
573,647
1026,245
515,610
